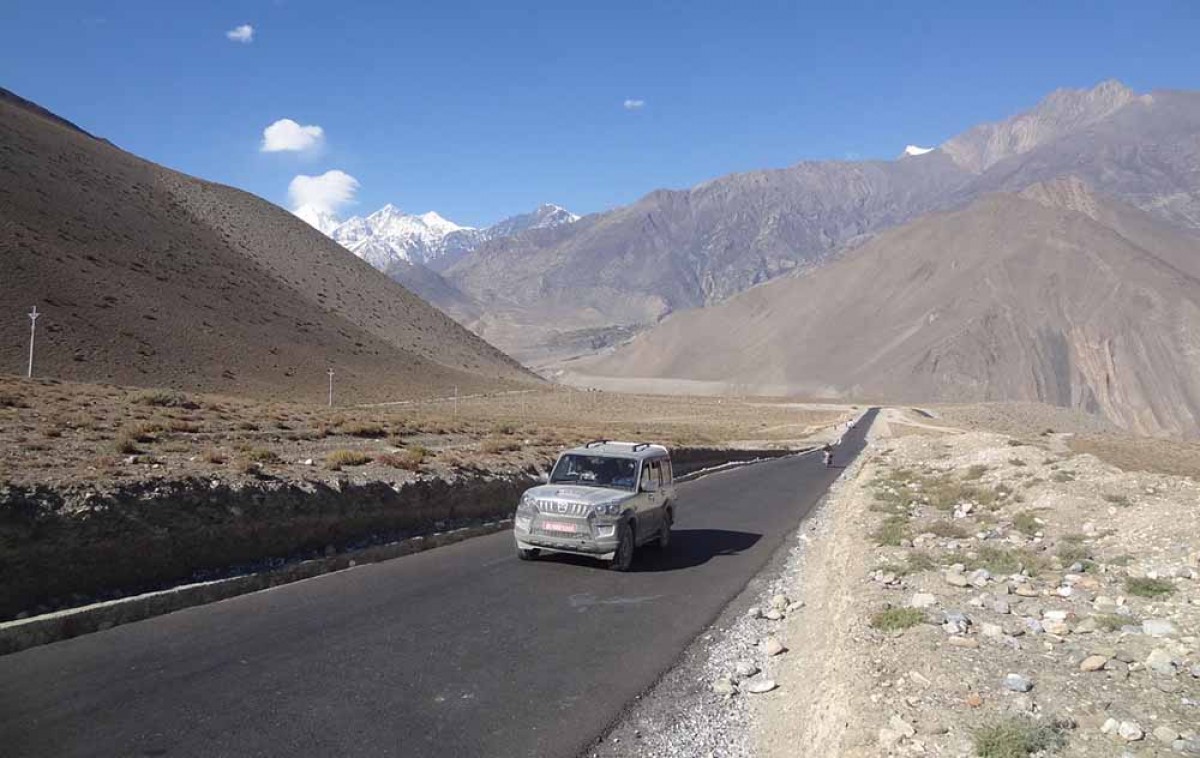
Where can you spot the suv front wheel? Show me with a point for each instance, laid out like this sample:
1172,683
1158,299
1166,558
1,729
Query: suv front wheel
623,557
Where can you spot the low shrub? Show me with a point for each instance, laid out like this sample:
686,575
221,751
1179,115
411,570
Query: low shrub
892,531
365,429
975,472
405,459
338,458
1017,737
499,445
1111,622
162,399
1150,588
945,529
1026,522
213,456
1073,552
896,619
1001,561
261,455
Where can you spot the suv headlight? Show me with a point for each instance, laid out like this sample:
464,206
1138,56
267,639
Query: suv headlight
528,504
608,509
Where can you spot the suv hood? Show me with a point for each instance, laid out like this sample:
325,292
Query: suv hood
573,493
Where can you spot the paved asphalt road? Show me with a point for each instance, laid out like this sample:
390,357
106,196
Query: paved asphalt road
459,651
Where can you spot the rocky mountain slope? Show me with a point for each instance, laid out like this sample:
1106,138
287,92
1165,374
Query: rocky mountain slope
1057,295
149,277
674,250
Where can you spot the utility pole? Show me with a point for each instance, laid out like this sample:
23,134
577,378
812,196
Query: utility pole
456,401
330,372
33,314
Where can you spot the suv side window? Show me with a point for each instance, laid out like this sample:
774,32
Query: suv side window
668,474
651,476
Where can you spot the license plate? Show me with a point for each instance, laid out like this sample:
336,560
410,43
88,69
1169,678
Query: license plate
558,526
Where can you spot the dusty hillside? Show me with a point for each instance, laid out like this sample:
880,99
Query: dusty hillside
150,277
1037,297
680,249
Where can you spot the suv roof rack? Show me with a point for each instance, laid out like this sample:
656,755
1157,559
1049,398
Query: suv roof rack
595,443
640,446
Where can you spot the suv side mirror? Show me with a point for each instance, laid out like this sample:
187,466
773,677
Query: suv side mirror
544,477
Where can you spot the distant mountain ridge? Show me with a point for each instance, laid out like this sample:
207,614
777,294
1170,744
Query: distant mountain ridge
389,235
677,249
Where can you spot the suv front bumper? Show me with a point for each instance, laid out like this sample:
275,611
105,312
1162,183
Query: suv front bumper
577,544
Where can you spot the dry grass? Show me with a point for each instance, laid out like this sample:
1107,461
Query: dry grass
1017,737
42,421
494,445
1129,453
896,619
408,460
339,458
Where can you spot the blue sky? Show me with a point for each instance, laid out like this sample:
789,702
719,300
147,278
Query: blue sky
484,109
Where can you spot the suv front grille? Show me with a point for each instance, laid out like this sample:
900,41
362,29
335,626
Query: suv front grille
555,508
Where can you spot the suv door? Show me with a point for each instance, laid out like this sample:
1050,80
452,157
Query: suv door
668,482
652,499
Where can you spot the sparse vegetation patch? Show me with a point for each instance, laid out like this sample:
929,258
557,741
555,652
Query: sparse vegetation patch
896,619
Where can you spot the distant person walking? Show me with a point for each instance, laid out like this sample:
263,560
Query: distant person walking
827,454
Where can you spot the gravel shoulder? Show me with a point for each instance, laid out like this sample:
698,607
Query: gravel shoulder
993,595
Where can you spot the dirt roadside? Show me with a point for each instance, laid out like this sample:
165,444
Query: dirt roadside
979,594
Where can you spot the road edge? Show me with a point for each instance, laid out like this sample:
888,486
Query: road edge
22,634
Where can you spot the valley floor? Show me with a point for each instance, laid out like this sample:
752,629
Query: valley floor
59,435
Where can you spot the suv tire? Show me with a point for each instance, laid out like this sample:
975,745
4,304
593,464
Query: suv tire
623,559
664,534
527,555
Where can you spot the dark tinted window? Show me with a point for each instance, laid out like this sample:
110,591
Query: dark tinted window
595,471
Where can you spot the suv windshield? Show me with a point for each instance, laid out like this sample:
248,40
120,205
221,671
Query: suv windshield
595,471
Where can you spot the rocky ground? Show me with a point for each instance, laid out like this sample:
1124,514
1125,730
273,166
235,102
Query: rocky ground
960,593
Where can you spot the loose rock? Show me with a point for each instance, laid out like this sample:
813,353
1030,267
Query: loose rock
1130,731
772,646
923,600
1093,663
759,686
1017,683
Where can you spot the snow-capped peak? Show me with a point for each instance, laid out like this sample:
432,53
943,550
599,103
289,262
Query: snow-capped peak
434,220
389,235
322,220
912,150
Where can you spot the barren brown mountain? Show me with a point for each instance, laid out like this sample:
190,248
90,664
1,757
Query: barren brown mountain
149,277
543,295
1056,295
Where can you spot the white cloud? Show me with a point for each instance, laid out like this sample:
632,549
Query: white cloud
243,34
325,193
634,105
286,134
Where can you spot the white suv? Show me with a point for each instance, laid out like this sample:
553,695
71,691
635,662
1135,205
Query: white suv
603,500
